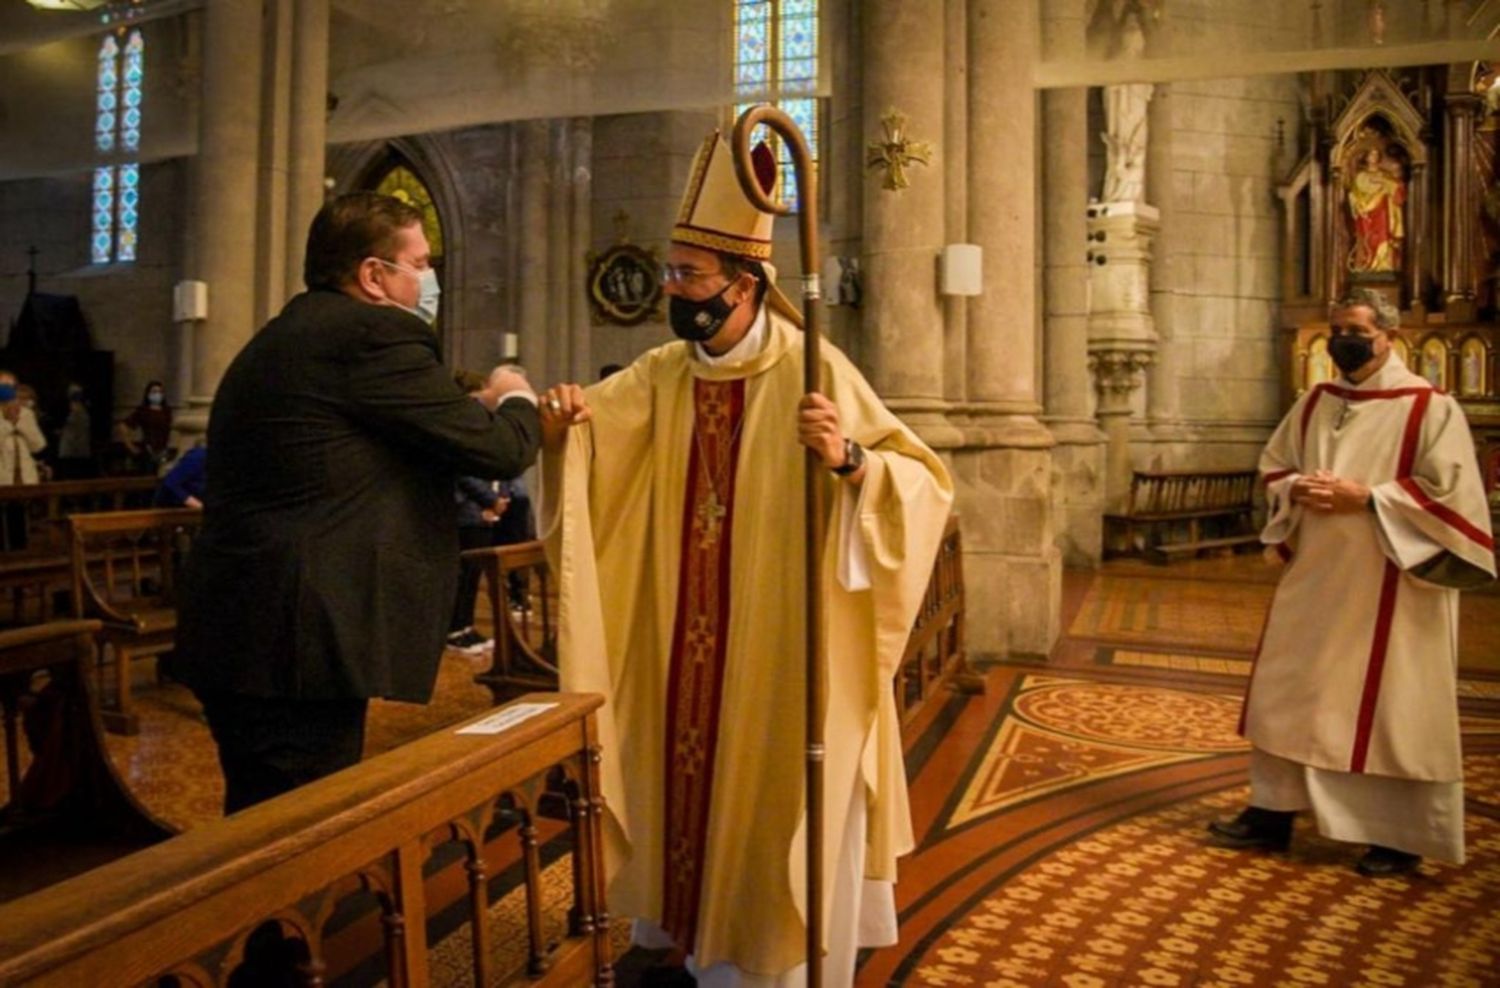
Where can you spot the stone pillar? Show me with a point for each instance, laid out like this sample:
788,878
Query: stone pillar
224,205
1077,477
309,132
1163,401
1012,568
902,314
271,178
1122,337
955,164
580,236
532,268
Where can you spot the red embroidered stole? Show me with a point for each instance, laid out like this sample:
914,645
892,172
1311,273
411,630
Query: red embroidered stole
698,647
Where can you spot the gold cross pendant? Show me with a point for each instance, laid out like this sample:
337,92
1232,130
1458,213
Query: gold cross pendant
710,519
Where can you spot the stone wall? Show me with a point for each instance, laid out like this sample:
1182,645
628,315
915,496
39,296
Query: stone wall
1220,246
128,306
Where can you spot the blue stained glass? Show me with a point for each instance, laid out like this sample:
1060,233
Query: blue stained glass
104,201
135,47
130,180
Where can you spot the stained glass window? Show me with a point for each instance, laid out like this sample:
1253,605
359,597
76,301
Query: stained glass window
130,120
776,58
107,104
104,214
117,130
402,183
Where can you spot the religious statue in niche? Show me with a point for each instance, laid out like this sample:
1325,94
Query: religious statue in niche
624,282
1125,135
1377,200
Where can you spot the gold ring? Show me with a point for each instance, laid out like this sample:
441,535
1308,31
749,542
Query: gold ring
554,404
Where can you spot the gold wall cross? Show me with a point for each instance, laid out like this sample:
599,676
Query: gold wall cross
896,152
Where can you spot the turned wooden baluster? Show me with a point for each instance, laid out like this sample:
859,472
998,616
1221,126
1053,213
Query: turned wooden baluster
479,908
395,948
536,960
593,793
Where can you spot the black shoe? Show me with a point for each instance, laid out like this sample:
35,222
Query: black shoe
667,976
1386,862
1269,830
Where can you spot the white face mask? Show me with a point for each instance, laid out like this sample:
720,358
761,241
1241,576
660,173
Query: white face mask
428,291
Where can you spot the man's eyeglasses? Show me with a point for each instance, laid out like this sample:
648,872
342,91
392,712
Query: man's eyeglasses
677,274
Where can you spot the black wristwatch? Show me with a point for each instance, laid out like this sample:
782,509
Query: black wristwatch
854,458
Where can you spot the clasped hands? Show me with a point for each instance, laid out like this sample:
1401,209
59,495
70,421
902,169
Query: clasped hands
818,425
1322,491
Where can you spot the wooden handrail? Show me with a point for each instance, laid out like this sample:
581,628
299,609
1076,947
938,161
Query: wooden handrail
77,488
188,904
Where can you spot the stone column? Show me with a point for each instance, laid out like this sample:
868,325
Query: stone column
1122,336
902,313
271,180
1012,568
1163,400
580,236
309,132
224,202
955,165
1078,495
532,267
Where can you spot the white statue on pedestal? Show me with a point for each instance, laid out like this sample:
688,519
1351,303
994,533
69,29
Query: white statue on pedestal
1125,135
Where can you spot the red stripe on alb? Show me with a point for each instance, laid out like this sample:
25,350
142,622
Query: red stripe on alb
1348,394
1307,410
1446,514
1276,475
1413,433
1375,668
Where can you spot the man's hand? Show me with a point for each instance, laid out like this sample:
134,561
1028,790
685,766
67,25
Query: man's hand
502,381
818,429
1329,494
561,407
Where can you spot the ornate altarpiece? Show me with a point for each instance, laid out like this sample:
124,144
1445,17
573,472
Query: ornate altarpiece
1399,192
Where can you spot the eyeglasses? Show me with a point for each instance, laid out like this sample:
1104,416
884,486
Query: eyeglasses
677,274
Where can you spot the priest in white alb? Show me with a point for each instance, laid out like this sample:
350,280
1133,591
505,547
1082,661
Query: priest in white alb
1376,502
672,510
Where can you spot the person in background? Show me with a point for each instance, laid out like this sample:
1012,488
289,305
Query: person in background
75,442
147,431
20,440
479,506
184,484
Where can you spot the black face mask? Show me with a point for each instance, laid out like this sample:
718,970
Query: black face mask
1351,353
698,322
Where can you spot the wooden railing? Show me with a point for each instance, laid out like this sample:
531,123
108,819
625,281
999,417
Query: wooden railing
187,909
1180,512
935,656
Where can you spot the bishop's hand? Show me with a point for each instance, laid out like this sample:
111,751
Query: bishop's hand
561,407
819,429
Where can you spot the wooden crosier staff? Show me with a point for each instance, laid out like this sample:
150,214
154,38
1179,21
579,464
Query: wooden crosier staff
813,482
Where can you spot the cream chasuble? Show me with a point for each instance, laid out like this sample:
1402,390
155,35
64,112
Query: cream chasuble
675,525
1356,674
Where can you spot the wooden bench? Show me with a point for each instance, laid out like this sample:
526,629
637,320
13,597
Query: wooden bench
124,572
39,568
68,811
1172,513
525,655
188,909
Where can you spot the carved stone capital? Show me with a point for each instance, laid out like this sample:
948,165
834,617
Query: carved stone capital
1116,374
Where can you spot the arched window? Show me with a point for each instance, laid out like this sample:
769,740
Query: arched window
117,135
776,60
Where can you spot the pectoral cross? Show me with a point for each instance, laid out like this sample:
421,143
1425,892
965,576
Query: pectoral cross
896,152
710,519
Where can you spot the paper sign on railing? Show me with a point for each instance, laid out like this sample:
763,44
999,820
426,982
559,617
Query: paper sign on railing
506,719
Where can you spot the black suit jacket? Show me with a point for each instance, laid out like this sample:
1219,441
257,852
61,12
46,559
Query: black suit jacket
327,563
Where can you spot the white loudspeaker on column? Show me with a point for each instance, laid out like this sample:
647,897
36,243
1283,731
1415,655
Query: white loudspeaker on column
189,301
961,269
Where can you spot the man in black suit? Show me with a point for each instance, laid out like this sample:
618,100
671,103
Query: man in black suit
324,572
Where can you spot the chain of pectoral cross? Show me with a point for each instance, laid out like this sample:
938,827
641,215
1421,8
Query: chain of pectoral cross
712,510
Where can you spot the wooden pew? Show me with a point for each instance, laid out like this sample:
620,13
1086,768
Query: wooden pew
39,568
124,572
69,811
187,908
1172,513
525,656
